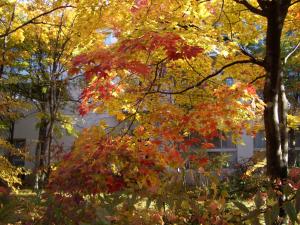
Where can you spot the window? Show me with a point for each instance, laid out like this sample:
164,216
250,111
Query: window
18,160
219,143
225,142
230,157
260,140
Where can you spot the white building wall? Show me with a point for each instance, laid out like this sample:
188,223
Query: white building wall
26,128
245,150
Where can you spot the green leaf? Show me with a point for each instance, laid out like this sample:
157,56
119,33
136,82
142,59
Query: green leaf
258,200
287,190
291,211
148,203
271,214
70,129
241,206
275,212
268,217
101,214
253,214
44,90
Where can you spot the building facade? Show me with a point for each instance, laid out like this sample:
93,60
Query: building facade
26,135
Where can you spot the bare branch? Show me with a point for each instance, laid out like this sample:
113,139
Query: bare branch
33,19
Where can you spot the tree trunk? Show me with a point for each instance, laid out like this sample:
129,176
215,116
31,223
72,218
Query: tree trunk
11,132
274,95
275,114
40,151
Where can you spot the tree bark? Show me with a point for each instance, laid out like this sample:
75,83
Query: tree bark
275,113
40,151
11,132
274,94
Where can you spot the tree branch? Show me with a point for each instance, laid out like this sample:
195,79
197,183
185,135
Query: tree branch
257,78
295,2
221,11
204,79
197,72
246,53
291,53
33,19
251,7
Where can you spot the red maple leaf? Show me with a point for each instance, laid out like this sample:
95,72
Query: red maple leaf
207,145
203,161
191,51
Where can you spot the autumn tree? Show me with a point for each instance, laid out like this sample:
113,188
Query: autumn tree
11,36
165,79
153,82
50,42
190,17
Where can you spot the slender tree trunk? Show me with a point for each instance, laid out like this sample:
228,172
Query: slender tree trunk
11,132
10,138
40,151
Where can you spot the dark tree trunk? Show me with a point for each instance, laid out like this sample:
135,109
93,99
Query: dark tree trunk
11,132
274,95
275,114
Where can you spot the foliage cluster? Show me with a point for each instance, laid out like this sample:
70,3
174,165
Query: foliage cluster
165,83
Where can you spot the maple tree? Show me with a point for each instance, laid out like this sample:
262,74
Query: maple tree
164,78
141,31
